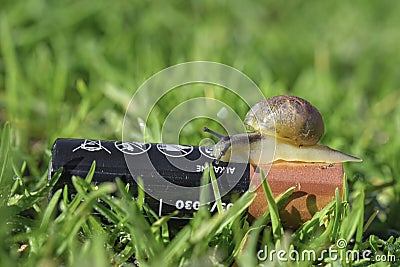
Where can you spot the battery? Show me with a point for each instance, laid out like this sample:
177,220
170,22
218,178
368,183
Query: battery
171,173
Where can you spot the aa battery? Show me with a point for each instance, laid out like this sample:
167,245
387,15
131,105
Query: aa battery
171,173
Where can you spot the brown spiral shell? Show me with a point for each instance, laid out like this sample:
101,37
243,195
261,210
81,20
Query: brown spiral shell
290,118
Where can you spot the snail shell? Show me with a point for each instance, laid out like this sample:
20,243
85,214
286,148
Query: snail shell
290,118
281,128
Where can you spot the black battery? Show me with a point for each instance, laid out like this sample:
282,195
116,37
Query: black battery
171,173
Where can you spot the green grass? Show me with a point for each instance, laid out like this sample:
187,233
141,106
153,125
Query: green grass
69,68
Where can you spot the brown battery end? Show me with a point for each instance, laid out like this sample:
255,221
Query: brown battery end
315,188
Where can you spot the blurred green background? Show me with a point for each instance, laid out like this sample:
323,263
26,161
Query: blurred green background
68,69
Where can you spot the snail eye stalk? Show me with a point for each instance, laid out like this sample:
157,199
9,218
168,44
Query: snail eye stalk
208,130
225,143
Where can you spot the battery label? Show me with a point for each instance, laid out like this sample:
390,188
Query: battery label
171,173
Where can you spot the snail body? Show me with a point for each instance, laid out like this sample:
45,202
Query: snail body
284,128
266,149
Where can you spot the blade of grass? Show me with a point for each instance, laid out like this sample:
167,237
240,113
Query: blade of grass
337,216
215,187
78,197
54,179
95,226
305,231
91,253
50,209
353,222
345,190
360,222
13,71
74,222
205,192
110,213
370,220
203,213
174,249
4,149
219,221
145,243
141,193
250,240
277,228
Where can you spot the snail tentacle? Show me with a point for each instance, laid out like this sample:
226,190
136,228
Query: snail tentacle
223,145
208,130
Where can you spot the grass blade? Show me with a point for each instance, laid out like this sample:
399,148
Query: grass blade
277,228
4,149
215,187
50,210
337,216
353,222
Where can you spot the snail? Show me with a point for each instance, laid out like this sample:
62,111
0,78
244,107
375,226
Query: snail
288,124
